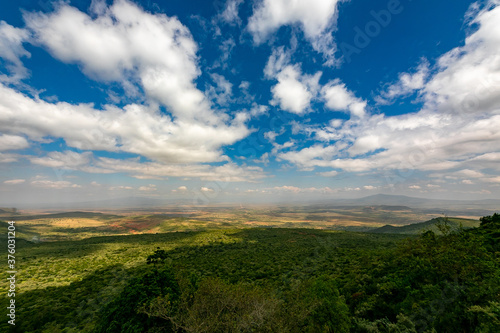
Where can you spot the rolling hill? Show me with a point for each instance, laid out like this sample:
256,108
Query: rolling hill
417,228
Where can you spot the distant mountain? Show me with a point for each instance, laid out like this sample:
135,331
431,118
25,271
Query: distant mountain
471,207
386,199
4,211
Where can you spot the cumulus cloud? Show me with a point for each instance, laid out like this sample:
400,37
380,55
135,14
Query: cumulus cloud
121,187
297,190
63,160
338,98
407,83
135,129
86,162
312,153
8,158
228,172
14,181
149,188
316,18
294,90
424,141
12,50
328,173
181,190
58,185
12,142
264,159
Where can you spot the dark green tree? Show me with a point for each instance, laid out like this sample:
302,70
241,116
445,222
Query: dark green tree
159,256
491,221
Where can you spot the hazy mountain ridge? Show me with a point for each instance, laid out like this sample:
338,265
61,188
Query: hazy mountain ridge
417,228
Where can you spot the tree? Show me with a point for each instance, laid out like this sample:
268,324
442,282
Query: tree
158,257
491,221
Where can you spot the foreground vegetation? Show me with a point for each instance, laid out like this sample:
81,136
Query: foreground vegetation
264,280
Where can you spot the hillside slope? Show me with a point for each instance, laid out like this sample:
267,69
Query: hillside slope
417,228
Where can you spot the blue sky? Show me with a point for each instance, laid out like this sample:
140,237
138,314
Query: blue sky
248,101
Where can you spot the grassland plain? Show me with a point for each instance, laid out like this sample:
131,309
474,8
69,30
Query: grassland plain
80,225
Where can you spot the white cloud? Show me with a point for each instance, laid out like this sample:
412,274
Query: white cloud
469,173
492,179
64,160
422,141
14,181
230,13
271,136
297,190
148,188
134,129
407,83
264,159
294,90
61,184
258,110
304,157
206,190
328,173
414,187
86,162
228,172
278,60
121,187
287,188
316,18
279,147
12,142
181,189
339,98
12,50
222,91
226,49
8,158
